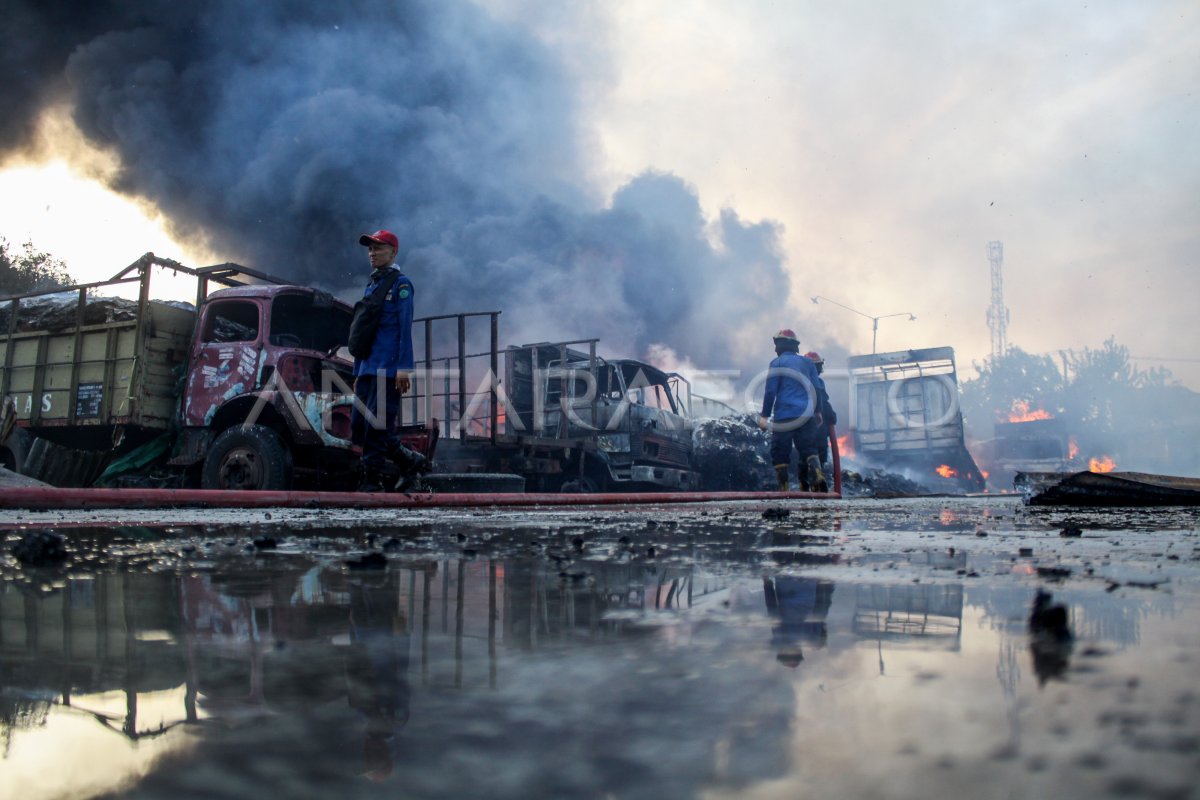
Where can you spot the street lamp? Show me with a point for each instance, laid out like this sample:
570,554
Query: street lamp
874,320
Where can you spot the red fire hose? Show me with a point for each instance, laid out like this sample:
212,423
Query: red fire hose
837,461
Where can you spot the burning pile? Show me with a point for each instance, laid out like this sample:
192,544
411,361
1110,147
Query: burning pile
732,454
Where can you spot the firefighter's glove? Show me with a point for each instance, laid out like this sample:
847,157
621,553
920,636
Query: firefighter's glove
403,382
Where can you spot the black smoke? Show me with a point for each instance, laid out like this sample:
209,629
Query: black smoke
276,132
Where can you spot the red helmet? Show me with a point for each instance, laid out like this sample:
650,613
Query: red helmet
788,335
814,356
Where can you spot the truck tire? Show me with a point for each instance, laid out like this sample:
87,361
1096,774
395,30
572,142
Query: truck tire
15,449
252,458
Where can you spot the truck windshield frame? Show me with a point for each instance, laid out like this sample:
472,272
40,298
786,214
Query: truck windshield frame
233,320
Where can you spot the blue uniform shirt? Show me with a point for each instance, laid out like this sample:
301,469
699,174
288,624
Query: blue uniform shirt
393,348
787,392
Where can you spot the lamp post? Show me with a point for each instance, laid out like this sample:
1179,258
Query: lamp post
874,320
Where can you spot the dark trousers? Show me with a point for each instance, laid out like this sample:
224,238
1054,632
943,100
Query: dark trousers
377,437
801,437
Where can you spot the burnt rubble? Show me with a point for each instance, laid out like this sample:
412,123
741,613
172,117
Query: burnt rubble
732,454
56,312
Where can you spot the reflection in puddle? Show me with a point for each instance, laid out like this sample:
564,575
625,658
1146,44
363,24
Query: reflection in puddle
751,674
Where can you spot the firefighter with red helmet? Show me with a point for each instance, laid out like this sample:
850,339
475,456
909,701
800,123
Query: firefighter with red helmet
791,411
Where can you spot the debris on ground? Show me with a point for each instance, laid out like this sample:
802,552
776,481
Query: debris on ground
1107,489
732,454
879,483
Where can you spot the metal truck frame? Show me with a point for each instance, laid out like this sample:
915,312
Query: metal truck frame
905,415
555,413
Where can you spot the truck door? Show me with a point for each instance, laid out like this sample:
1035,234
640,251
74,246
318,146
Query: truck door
225,358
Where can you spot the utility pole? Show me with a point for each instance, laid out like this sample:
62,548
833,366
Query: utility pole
997,314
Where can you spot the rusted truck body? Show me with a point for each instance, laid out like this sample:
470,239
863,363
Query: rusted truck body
556,414
246,388
905,415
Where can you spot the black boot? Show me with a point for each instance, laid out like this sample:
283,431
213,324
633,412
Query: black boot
408,460
816,478
371,481
412,465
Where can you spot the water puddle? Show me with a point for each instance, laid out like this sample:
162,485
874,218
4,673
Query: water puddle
747,660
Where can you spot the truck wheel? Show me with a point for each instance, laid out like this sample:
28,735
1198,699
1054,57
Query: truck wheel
248,458
15,449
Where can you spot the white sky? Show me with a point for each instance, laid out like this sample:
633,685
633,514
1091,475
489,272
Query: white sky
891,140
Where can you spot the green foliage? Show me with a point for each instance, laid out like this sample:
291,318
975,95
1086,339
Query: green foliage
1015,378
30,270
1093,391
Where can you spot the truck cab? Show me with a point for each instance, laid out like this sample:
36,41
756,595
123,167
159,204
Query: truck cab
630,419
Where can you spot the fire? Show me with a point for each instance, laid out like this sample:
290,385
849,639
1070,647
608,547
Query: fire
845,448
946,472
1072,449
1021,413
1101,464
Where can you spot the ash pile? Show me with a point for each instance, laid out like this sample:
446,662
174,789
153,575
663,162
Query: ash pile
732,455
879,483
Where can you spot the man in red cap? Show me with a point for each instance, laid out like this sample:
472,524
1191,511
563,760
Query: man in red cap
382,373
792,412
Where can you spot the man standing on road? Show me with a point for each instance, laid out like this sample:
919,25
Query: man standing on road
791,399
382,376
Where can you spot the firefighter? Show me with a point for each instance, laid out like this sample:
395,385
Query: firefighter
792,413
383,375
821,443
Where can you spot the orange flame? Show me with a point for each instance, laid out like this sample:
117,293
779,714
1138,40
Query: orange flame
1072,448
1101,464
845,448
946,472
1021,413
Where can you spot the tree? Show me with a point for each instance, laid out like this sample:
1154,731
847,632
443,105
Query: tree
30,270
1014,378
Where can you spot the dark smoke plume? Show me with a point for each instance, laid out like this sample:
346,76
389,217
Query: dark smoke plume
278,131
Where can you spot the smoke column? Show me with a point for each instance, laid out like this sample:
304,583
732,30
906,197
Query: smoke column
278,131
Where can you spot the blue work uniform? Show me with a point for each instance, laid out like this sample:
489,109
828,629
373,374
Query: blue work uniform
791,399
391,352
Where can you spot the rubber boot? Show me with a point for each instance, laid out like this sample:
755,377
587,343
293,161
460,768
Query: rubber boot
370,480
781,475
411,463
816,478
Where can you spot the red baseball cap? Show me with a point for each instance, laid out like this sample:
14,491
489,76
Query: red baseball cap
379,237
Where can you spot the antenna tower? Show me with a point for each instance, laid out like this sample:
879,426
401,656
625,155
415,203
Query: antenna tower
997,314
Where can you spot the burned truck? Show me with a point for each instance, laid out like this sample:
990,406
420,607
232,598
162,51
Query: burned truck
243,390
905,417
547,416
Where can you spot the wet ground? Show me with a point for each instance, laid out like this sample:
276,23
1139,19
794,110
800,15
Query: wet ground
933,647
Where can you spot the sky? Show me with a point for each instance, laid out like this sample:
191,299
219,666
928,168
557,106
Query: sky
707,167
